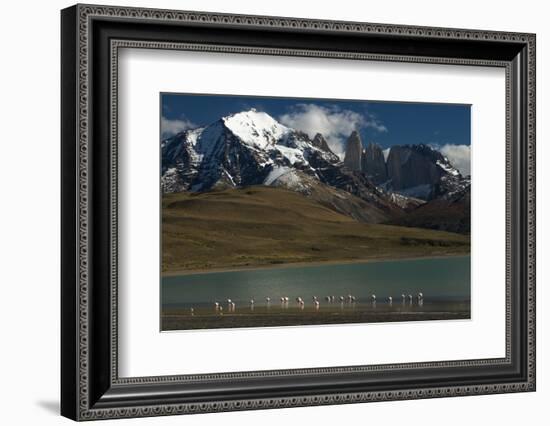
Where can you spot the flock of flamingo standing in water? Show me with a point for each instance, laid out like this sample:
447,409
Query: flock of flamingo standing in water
300,303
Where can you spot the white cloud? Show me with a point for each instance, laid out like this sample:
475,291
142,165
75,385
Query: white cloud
170,128
334,124
375,124
459,156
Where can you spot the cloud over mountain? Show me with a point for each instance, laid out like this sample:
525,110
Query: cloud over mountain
171,127
334,123
459,156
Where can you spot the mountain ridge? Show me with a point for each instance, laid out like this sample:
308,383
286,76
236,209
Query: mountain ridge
251,148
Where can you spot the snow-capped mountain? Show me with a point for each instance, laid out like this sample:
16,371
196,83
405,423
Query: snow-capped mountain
247,148
252,148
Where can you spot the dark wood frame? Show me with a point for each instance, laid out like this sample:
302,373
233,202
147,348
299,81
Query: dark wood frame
90,386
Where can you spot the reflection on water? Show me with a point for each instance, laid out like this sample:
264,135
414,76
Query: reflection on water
393,288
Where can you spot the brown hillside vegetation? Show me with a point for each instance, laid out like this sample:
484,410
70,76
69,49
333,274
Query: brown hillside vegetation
264,226
448,214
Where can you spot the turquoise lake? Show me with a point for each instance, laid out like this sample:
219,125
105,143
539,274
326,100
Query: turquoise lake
441,280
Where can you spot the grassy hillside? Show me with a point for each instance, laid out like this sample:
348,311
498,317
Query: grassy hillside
261,226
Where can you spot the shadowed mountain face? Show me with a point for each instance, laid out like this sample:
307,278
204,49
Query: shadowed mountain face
412,171
374,164
320,142
415,165
252,148
354,151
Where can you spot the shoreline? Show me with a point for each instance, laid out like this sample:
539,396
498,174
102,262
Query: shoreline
182,323
185,272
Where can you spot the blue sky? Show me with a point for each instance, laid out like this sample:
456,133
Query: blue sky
446,126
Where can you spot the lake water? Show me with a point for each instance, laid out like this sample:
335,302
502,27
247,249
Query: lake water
441,280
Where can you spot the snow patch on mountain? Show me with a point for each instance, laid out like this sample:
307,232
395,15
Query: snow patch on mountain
292,154
193,135
170,178
256,129
447,167
275,174
293,180
406,202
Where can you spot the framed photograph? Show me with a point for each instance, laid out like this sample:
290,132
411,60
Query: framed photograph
263,212
268,222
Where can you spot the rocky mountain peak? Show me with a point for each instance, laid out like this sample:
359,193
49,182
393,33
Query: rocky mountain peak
354,151
418,170
255,128
246,148
320,142
374,164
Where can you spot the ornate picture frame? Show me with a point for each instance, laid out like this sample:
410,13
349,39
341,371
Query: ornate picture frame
91,37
